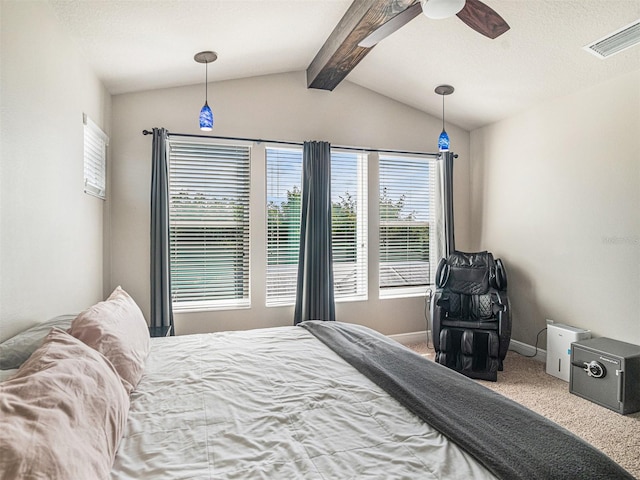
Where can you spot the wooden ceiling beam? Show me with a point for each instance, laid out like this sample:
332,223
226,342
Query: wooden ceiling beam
341,53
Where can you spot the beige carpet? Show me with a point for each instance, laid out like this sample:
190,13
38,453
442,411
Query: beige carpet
525,381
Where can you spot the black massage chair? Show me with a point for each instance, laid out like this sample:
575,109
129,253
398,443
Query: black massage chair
471,316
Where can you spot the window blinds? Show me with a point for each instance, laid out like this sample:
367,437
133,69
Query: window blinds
95,155
407,200
209,224
349,224
284,180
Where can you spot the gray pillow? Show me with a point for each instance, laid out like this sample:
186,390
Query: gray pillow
17,349
6,374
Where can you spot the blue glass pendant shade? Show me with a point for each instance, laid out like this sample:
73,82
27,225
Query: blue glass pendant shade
206,118
443,142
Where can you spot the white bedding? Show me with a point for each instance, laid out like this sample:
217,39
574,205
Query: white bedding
273,404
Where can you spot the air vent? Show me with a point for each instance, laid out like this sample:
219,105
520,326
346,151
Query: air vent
616,42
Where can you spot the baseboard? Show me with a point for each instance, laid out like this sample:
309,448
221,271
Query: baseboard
528,350
409,338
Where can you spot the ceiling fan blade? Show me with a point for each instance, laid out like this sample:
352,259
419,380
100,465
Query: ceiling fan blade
386,29
483,19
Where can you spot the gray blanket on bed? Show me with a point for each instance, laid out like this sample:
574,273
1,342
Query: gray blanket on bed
508,439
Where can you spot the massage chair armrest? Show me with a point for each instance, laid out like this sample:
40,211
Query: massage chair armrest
504,328
438,312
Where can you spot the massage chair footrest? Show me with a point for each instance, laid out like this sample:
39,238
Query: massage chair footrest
473,353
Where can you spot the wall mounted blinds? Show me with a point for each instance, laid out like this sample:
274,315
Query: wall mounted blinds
95,158
209,225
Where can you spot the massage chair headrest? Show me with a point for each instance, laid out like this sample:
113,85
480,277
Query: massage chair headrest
471,273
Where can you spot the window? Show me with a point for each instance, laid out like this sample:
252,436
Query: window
209,225
284,180
349,224
349,234
95,155
407,200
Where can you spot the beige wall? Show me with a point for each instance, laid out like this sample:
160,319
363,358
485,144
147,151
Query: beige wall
556,194
51,233
276,107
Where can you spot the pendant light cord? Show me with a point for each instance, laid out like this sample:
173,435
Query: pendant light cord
206,83
443,113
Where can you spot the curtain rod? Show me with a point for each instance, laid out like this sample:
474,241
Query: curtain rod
282,142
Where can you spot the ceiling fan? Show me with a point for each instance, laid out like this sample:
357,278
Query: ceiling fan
482,18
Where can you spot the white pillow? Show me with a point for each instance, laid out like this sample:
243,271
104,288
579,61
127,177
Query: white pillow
117,329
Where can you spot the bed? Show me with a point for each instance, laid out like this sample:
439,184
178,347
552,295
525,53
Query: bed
323,400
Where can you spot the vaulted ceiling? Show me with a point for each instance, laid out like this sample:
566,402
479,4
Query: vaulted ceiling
136,45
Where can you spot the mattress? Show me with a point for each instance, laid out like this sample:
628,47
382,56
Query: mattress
275,404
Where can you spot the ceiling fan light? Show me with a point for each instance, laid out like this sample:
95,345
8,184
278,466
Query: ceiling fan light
443,142
438,9
206,118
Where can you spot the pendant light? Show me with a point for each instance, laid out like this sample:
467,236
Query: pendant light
206,115
443,140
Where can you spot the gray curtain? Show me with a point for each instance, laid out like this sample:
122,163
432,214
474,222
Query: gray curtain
447,194
314,294
161,311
